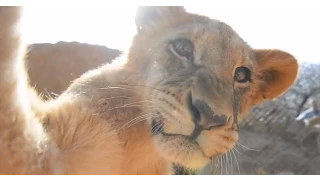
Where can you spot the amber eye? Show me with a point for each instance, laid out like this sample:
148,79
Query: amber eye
183,47
242,75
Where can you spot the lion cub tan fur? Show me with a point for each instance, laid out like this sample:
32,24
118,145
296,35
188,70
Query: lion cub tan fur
186,80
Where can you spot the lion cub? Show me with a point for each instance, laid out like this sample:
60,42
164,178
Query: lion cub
186,83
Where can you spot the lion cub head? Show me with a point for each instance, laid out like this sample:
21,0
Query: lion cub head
200,78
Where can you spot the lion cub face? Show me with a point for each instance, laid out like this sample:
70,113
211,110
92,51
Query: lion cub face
202,78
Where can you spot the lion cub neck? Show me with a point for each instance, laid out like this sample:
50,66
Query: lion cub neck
117,94
140,154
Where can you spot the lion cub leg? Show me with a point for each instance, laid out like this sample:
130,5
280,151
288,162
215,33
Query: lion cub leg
21,135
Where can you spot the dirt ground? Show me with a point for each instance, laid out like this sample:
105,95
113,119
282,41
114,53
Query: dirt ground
262,153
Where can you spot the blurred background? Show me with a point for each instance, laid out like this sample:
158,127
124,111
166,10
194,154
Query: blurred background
277,137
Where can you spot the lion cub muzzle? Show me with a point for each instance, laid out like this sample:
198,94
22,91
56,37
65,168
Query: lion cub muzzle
203,116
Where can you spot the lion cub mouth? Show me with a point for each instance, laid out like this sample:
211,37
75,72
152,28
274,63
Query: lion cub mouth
201,114
157,127
211,135
196,150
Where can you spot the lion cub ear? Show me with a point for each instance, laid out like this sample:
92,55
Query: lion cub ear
147,16
277,71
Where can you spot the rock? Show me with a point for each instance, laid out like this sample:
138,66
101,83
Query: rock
52,67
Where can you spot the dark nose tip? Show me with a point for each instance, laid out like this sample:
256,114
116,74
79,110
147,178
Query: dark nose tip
205,117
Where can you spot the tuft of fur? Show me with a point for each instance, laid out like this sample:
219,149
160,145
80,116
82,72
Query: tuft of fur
133,117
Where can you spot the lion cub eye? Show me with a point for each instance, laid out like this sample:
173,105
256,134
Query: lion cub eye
242,75
183,47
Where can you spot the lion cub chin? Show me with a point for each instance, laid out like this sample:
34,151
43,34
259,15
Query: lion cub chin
178,98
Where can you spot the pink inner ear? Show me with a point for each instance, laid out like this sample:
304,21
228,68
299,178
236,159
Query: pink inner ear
279,71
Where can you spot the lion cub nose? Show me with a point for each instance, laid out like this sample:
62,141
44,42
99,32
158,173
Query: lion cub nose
205,117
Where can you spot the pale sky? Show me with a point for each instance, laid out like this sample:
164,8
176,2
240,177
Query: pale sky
291,29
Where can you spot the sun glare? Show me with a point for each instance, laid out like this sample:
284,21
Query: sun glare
109,26
114,27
